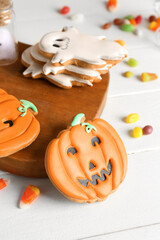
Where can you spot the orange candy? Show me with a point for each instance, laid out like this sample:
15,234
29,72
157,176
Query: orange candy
158,20
153,26
132,21
121,42
3,183
29,195
146,77
111,5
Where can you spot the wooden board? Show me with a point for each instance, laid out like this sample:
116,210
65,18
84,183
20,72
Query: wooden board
56,108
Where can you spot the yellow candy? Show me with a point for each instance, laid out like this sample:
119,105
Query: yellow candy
137,132
128,74
131,118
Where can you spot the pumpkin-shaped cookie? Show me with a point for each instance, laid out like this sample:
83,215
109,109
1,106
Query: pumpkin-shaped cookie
18,126
88,161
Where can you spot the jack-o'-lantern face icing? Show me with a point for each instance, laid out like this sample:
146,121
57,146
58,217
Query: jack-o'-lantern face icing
18,126
88,161
71,44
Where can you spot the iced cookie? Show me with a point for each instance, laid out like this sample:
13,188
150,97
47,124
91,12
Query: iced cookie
18,126
87,161
35,70
72,47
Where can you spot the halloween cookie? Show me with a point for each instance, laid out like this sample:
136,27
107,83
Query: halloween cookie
72,47
18,126
35,70
88,161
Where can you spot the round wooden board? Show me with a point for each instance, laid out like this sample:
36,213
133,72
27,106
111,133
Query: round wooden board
56,107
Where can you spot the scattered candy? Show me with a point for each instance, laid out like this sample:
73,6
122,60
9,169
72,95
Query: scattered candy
121,42
128,74
132,62
127,27
29,195
126,21
132,118
152,18
137,132
132,21
79,17
112,5
138,32
118,21
129,17
107,25
146,77
153,26
158,20
3,183
64,10
138,19
147,130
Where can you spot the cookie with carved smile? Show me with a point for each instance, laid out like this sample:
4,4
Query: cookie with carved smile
88,161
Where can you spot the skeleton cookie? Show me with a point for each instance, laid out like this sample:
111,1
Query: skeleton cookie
71,47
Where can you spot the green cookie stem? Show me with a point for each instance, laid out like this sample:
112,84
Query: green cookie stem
77,120
25,105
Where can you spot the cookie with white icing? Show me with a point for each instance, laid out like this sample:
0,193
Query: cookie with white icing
35,70
72,47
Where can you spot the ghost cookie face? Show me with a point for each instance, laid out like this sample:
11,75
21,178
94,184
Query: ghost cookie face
73,47
88,161
18,126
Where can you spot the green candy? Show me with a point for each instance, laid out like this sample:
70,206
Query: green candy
129,17
132,62
127,27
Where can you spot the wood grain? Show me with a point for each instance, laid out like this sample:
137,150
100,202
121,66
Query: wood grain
56,108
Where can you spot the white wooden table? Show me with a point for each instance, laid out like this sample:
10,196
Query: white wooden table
133,212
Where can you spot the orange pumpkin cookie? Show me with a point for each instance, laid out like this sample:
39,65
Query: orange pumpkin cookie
18,126
88,161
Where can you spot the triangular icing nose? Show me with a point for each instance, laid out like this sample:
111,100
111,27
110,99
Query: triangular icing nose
91,165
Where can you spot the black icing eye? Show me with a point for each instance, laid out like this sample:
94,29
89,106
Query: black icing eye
56,45
71,150
95,140
10,123
59,40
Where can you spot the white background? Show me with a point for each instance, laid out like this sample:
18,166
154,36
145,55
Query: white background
133,212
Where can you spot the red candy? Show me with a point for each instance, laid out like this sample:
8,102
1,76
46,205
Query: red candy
147,130
118,21
107,25
64,10
138,19
152,18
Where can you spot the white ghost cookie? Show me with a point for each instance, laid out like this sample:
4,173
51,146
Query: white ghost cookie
72,47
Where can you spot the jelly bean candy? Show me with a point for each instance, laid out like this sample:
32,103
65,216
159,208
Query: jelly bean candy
137,132
138,19
158,20
131,118
118,21
112,5
127,27
128,74
132,21
79,17
146,77
132,62
147,130
153,26
64,10
126,21
3,183
138,32
121,42
129,17
29,195
107,25
152,18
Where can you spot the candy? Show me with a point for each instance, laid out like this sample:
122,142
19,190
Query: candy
118,21
138,32
131,118
152,18
147,130
146,77
127,27
126,21
107,25
112,5
129,17
121,42
132,21
153,26
3,183
132,62
137,132
79,17
128,74
158,20
138,19
64,10
29,195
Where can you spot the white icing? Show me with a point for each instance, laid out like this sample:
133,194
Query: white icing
70,44
37,55
36,69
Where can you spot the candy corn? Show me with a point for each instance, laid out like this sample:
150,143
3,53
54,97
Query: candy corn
112,5
121,42
29,195
3,183
146,77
